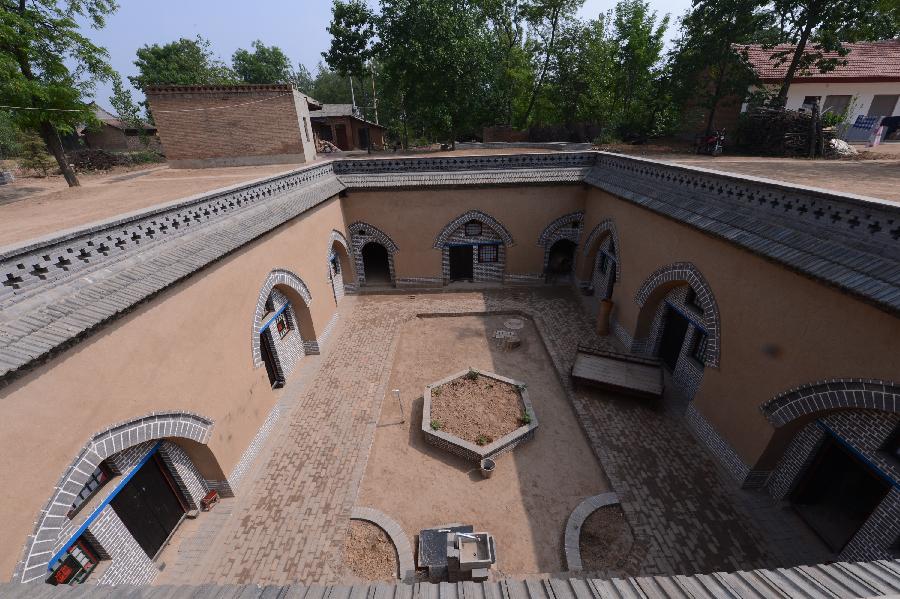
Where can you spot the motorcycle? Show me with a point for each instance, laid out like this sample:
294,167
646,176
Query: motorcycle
712,145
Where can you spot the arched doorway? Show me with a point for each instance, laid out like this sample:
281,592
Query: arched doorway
837,445
600,266
373,253
149,470
473,248
679,323
283,328
339,267
560,260
376,264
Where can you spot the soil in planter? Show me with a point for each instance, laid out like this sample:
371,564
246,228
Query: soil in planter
369,552
606,540
483,409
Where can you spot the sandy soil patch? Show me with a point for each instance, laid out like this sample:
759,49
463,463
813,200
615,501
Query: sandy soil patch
535,487
369,552
606,540
476,408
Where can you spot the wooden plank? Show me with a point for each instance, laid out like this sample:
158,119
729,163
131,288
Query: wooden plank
618,373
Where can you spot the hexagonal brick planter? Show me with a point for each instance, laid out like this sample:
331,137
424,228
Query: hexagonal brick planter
472,451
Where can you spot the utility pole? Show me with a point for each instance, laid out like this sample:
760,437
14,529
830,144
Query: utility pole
374,96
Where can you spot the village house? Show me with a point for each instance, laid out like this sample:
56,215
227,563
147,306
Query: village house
344,126
113,135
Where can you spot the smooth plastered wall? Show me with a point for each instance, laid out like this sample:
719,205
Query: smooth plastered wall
779,330
187,349
413,219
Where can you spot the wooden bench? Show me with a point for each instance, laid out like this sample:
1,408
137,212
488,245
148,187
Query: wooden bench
619,372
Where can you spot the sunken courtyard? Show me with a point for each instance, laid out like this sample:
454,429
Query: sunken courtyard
579,368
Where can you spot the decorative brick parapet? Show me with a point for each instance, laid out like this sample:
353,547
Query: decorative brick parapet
832,394
796,226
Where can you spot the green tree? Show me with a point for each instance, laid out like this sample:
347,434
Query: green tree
10,135
545,17
48,66
127,110
435,56
639,38
182,62
33,156
265,64
707,64
303,80
816,27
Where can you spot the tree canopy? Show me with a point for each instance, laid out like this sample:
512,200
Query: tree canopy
48,67
182,62
264,64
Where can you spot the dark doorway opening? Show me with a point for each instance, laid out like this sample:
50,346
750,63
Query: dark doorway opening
838,494
363,138
674,329
268,356
340,133
561,258
376,264
149,506
461,263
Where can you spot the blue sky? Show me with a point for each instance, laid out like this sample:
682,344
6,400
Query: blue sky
297,27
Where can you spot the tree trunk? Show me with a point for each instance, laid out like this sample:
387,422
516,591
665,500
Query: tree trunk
781,98
48,134
540,81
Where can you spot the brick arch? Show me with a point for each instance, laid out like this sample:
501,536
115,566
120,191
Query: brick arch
483,218
688,273
118,437
597,234
338,237
284,277
560,228
373,234
832,394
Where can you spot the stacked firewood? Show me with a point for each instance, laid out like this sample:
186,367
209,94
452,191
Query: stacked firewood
780,132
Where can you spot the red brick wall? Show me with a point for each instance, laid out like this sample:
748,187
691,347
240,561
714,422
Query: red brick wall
247,121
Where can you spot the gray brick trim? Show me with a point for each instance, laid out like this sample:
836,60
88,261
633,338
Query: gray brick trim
121,436
832,394
572,542
372,235
395,532
279,276
690,274
485,219
561,228
842,239
607,226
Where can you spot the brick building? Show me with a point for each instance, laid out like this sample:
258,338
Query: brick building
113,135
233,125
342,125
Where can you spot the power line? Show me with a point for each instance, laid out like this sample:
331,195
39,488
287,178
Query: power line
46,109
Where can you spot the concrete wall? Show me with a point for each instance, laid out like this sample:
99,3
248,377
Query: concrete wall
231,125
187,349
818,332
862,94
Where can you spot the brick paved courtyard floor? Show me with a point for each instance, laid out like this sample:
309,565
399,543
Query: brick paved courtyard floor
535,487
292,512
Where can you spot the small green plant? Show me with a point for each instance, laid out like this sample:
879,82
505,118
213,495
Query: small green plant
34,157
525,418
483,440
436,425
436,392
472,375
521,387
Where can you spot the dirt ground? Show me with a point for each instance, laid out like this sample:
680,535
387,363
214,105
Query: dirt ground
606,540
369,553
535,487
480,410
32,207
